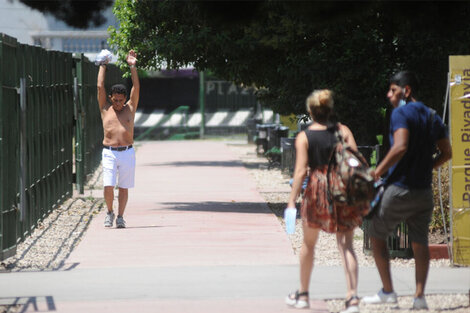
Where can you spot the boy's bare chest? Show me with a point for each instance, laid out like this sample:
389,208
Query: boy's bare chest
124,117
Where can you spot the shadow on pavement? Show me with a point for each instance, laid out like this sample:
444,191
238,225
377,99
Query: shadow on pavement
205,164
28,304
219,207
150,226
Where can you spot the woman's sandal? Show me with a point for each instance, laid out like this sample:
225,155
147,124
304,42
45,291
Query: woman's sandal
351,308
293,300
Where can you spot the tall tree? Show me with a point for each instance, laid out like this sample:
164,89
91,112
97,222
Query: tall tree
287,49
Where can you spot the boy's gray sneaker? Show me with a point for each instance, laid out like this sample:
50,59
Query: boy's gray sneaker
109,219
120,223
381,297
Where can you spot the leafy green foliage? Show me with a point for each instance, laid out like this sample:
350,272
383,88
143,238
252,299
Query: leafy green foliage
287,49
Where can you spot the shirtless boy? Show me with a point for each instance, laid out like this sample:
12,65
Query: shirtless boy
118,157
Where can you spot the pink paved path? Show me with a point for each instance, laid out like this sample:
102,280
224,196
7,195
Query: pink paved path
194,204
182,306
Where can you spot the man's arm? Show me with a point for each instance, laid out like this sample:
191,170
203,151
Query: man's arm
445,152
101,88
135,91
396,152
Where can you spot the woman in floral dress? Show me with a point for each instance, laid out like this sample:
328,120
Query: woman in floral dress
314,147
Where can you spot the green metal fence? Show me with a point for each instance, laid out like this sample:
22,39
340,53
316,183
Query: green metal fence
46,102
9,146
43,94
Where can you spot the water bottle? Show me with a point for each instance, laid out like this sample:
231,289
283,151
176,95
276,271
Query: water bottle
290,215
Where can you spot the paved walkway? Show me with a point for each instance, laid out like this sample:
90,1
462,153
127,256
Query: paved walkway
199,239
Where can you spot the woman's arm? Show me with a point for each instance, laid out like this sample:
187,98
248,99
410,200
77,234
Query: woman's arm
301,168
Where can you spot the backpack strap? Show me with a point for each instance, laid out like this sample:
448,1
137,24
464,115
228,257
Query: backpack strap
331,163
339,135
337,132
329,197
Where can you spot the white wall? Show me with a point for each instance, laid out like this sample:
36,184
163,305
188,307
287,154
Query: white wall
18,20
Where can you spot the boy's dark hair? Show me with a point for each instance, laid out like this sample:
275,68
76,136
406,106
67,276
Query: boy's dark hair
405,78
119,89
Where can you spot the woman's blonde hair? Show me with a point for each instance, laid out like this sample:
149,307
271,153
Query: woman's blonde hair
320,104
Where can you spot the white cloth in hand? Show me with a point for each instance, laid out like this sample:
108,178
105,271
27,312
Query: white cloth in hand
104,57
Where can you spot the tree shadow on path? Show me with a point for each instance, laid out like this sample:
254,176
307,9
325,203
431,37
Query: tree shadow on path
204,164
220,207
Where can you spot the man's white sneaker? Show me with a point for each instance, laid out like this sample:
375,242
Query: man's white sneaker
420,304
120,223
381,297
109,219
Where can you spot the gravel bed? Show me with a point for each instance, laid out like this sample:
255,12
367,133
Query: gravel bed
55,237
455,303
274,187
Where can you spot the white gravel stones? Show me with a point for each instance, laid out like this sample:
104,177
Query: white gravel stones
455,303
54,238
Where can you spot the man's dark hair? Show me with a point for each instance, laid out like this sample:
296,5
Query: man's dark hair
405,78
119,89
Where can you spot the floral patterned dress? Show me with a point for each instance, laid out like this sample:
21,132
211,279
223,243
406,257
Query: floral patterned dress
315,204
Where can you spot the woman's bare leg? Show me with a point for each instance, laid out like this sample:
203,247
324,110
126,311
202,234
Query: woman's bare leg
346,250
307,252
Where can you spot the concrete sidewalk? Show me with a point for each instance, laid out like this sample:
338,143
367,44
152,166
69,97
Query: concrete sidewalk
199,239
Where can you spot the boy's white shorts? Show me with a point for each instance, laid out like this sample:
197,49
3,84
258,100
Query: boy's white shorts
118,164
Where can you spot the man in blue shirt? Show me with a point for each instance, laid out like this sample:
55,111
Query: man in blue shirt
415,132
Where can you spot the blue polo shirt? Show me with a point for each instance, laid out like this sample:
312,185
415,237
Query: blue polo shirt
414,170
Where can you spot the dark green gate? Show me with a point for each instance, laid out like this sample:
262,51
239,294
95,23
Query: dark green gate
36,132
9,146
